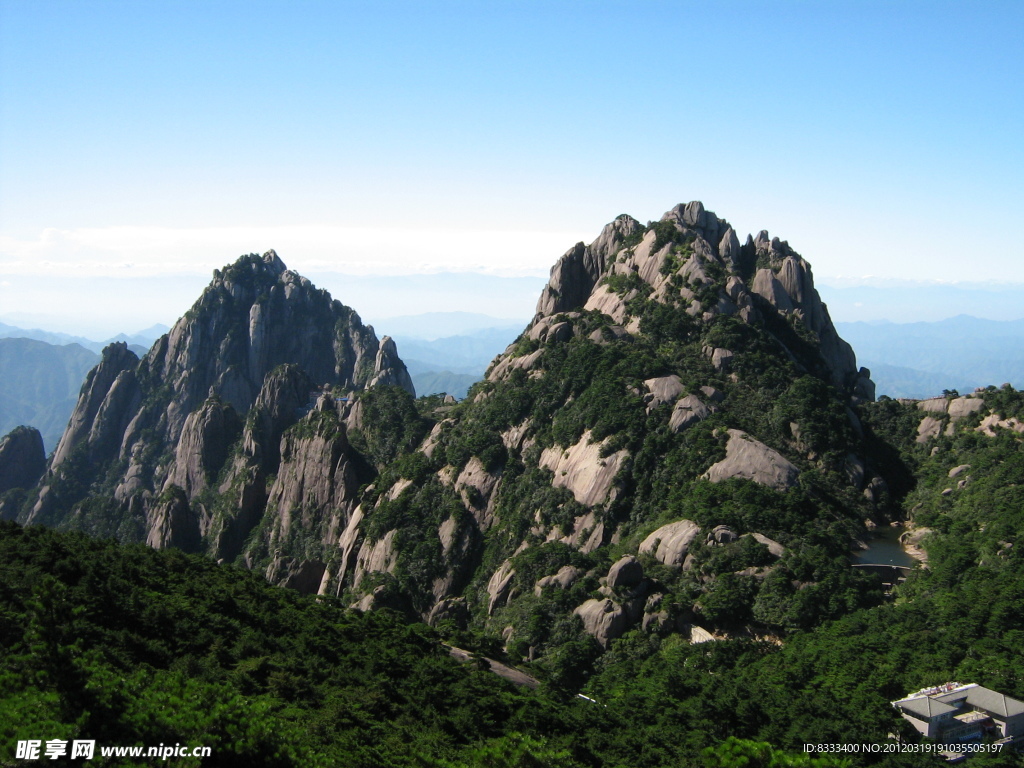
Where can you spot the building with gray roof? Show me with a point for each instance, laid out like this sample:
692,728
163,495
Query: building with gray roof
954,713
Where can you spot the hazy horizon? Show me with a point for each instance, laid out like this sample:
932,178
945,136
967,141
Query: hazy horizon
100,308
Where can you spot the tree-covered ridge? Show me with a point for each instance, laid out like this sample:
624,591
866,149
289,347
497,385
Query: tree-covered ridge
130,646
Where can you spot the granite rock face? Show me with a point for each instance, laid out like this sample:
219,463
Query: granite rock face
749,459
582,469
575,275
671,543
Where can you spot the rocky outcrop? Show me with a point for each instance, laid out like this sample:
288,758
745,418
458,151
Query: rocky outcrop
687,412
376,557
993,421
782,285
929,428
476,487
748,459
102,404
604,619
22,460
172,523
671,543
581,469
388,369
499,587
575,275
315,490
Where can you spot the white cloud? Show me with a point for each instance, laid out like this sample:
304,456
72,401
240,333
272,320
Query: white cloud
157,251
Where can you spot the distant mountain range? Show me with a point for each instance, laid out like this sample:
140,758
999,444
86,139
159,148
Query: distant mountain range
921,359
450,351
42,372
40,384
139,342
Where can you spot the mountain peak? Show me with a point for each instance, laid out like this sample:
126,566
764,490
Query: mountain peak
255,318
692,260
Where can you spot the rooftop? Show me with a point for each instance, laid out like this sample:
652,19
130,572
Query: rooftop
952,697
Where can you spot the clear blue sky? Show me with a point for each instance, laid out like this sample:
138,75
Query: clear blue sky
166,138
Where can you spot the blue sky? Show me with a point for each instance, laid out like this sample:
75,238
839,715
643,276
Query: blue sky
162,139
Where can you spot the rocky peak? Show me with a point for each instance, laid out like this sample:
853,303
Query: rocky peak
99,412
388,369
688,253
575,275
205,411
254,316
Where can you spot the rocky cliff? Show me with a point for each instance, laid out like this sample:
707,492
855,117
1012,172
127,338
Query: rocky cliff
182,447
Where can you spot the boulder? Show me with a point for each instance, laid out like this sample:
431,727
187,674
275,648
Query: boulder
626,572
712,394
604,619
687,412
722,534
567,576
721,359
748,459
608,334
670,543
665,389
